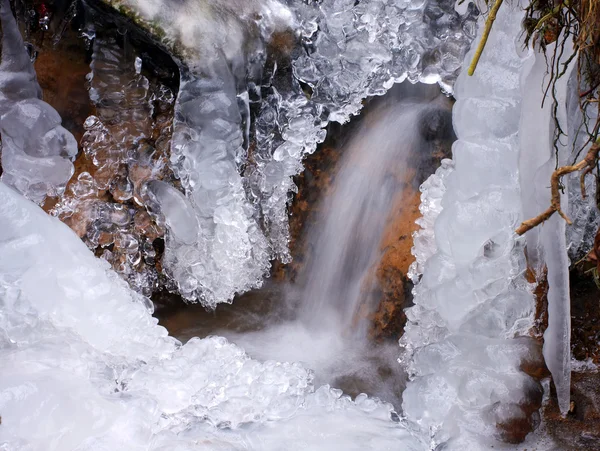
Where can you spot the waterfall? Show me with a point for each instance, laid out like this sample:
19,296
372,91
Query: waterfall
86,366
345,239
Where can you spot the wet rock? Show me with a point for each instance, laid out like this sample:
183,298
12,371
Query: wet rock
580,429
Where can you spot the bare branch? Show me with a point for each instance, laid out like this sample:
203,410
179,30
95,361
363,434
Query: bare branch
587,165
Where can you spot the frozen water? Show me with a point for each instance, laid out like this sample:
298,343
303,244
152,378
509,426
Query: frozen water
583,212
81,354
36,149
127,142
351,51
546,245
224,251
467,333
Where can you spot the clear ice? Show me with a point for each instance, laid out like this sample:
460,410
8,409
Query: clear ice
468,331
547,244
36,149
127,141
239,194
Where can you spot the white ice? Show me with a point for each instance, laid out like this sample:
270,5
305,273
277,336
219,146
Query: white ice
468,331
86,367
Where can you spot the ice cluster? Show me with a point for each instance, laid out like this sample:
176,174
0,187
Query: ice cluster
467,334
127,142
85,366
237,187
36,149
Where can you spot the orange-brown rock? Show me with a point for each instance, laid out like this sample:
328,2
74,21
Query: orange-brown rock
395,288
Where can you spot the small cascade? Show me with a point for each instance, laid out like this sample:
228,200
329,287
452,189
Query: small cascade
327,316
182,188
345,240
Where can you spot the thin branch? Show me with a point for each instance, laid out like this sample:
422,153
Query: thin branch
486,33
588,163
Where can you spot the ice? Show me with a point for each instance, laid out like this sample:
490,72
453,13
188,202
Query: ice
85,366
547,245
240,193
127,142
468,331
36,149
583,212
229,252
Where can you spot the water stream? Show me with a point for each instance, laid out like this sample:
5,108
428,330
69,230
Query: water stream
196,201
322,319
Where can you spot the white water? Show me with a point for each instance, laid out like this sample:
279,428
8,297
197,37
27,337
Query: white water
345,241
332,293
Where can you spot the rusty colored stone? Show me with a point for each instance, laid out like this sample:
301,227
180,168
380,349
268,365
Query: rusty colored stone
515,430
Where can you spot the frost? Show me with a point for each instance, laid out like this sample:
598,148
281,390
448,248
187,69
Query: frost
85,366
36,149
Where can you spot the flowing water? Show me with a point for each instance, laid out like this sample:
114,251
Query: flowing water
322,320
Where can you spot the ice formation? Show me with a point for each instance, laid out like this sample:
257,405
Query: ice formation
127,143
546,244
467,333
583,212
351,51
85,366
36,149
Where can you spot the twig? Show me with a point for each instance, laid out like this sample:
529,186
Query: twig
486,32
588,163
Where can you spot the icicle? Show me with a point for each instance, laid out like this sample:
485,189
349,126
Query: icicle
546,244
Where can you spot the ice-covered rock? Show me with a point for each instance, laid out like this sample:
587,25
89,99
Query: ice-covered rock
467,333
125,145
85,366
36,149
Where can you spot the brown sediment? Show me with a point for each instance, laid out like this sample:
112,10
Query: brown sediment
580,429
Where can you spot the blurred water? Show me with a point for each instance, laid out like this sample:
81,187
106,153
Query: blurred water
322,319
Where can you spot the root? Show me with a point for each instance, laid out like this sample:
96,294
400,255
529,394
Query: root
587,165
486,32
